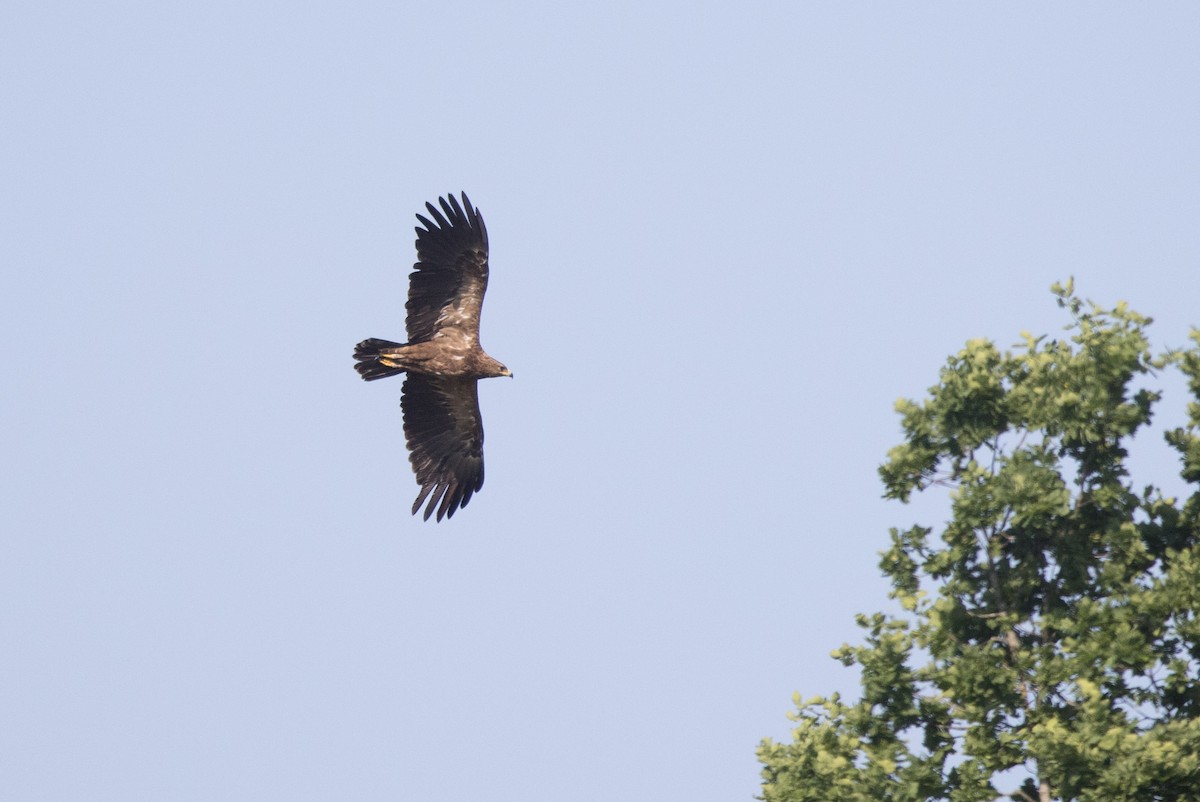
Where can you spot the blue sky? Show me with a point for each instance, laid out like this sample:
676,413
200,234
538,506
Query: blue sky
725,238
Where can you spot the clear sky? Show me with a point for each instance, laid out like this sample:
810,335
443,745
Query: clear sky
725,238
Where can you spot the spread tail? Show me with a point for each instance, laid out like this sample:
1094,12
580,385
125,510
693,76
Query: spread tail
368,365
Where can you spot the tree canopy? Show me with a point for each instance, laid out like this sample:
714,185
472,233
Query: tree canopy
1045,642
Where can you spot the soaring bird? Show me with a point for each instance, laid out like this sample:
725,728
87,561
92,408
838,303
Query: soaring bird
443,358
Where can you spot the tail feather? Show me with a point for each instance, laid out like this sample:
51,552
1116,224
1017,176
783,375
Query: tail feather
368,365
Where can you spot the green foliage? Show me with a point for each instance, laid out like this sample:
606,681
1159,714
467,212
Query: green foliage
1051,636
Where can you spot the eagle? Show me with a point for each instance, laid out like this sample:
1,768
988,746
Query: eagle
443,358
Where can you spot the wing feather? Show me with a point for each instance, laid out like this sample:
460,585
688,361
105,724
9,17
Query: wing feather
444,431
441,221
449,279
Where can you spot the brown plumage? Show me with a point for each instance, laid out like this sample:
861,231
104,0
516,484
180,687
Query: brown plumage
443,358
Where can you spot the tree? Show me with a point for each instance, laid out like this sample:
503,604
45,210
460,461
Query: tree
1048,639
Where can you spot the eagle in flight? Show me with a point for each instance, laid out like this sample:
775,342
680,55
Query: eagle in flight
443,358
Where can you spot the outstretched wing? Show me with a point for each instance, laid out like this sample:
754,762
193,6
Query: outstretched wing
446,287
445,440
